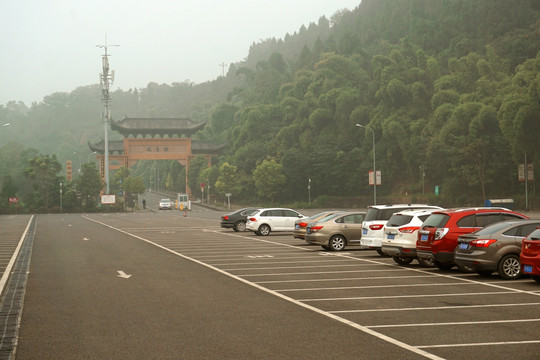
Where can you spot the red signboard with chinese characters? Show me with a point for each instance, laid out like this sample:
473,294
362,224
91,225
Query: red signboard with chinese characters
13,200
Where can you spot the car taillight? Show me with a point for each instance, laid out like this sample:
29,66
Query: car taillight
440,233
302,224
225,217
253,219
482,243
376,226
409,229
316,228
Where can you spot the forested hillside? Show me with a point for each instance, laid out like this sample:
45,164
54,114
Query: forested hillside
449,86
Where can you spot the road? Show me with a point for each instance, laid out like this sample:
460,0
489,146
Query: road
158,285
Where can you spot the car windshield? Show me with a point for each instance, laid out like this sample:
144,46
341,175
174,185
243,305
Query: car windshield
436,220
399,220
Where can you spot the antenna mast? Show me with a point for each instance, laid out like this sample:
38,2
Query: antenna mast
106,80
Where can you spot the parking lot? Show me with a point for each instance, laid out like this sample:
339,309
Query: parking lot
446,314
425,312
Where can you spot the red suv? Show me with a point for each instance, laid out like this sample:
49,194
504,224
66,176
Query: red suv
438,236
530,255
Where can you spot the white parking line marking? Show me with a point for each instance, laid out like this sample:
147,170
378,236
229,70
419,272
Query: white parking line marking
481,344
408,296
297,267
323,272
433,308
277,294
456,323
344,279
372,287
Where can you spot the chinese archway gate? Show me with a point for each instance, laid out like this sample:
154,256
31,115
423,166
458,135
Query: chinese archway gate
154,139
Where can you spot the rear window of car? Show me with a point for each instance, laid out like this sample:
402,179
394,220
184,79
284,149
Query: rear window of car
436,220
382,214
399,220
329,217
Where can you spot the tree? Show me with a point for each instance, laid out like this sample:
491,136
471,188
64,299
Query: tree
132,186
196,166
269,179
89,184
43,170
227,181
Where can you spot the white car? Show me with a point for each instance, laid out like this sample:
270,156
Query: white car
376,218
401,233
267,220
165,204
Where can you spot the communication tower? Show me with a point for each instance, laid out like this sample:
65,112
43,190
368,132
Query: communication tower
106,80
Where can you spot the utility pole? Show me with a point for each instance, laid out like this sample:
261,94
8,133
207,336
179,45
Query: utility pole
223,69
106,80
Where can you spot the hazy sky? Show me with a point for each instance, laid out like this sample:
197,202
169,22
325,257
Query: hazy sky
50,45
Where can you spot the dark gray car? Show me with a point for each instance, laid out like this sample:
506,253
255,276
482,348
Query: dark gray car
495,248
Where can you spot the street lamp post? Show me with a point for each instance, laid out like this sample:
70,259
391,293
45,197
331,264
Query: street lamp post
61,198
309,191
374,168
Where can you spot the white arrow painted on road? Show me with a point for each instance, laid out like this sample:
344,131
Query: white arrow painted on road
123,274
86,239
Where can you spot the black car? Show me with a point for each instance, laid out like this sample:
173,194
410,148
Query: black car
237,219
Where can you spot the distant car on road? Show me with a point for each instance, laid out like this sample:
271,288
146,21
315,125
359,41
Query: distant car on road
495,248
237,219
165,204
264,221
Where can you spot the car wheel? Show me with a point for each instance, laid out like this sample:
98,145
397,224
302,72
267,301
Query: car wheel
240,226
402,260
536,278
426,262
264,230
484,272
443,265
337,243
509,267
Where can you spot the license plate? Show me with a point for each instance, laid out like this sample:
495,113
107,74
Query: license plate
527,269
308,229
364,231
390,236
424,237
297,226
463,246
